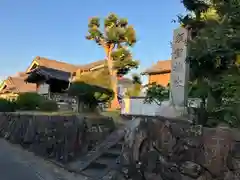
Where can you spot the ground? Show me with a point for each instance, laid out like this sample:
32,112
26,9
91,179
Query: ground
18,164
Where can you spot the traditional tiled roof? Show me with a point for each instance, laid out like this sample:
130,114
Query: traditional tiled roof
63,66
92,65
47,73
18,85
59,65
159,68
59,69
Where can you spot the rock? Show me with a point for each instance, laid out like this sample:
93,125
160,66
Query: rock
177,150
191,169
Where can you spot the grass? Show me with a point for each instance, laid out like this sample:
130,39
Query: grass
114,114
57,113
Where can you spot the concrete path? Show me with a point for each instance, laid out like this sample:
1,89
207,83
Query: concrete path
18,164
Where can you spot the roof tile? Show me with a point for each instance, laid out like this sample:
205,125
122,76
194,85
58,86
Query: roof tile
59,65
18,85
159,67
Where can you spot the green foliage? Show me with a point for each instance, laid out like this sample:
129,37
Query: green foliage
115,30
29,101
92,88
156,93
114,36
7,106
83,89
99,78
198,89
48,106
123,61
135,90
90,95
212,51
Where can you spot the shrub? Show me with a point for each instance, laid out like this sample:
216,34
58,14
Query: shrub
48,105
6,105
29,101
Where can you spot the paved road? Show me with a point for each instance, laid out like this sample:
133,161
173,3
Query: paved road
18,164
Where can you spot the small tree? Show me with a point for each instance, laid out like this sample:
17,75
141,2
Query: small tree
29,101
115,36
156,93
89,96
91,89
7,106
135,90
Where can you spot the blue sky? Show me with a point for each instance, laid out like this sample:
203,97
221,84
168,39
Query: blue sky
56,29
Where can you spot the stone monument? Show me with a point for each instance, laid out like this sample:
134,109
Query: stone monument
179,68
178,96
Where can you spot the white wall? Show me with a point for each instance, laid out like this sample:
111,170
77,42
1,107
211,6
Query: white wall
136,106
43,89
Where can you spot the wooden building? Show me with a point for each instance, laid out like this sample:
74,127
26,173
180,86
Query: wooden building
52,78
159,73
13,85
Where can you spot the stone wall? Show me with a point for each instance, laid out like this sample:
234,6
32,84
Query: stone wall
168,149
60,138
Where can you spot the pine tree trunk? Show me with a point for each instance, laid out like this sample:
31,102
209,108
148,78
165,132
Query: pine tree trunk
113,74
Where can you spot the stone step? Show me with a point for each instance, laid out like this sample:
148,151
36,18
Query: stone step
94,172
112,153
100,167
119,145
106,160
83,162
96,165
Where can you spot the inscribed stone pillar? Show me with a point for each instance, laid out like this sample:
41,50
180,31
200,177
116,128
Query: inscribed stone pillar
179,68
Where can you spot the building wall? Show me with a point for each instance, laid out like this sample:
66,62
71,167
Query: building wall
161,79
42,88
137,106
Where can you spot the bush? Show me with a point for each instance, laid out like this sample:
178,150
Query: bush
29,101
6,105
48,105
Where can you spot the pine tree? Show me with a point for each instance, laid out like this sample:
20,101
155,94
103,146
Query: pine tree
115,37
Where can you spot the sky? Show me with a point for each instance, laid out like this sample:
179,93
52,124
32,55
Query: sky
56,29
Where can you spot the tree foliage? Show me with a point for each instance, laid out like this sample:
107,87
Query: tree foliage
92,88
212,55
135,90
115,36
7,106
156,93
29,101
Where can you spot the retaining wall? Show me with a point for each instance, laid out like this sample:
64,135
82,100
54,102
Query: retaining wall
174,149
60,138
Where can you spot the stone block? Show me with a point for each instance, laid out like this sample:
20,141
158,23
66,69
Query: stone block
61,138
184,151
